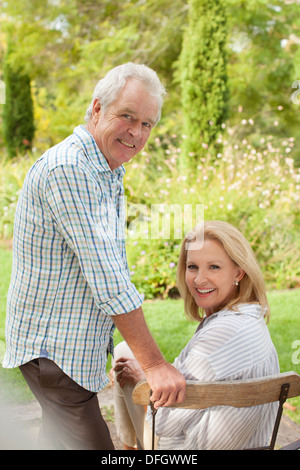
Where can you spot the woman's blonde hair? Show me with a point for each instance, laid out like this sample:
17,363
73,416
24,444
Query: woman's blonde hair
251,288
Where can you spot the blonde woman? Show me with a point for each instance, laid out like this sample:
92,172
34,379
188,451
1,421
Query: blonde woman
223,289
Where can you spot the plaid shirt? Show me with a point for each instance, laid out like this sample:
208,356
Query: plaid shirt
69,273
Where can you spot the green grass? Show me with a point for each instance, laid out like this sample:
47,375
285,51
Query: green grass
13,386
172,331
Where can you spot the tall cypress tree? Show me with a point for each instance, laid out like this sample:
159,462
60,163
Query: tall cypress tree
203,77
18,117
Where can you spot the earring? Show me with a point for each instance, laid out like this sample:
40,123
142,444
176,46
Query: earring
236,283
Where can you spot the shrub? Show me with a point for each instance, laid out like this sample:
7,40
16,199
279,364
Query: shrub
12,174
203,76
18,120
253,186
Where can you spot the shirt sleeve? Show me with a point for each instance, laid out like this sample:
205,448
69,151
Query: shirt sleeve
82,218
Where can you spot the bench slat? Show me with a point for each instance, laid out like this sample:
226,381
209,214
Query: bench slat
237,393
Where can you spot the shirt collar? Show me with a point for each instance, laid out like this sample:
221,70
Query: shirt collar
92,151
252,310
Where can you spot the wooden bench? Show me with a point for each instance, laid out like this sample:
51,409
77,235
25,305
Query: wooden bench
238,393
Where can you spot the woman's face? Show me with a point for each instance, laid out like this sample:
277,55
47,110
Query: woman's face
211,275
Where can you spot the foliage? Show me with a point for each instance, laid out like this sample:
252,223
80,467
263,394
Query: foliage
203,76
65,46
18,125
252,182
264,62
256,188
12,174
252,185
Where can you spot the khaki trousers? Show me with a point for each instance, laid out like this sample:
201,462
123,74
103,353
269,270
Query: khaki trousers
132,427
71,416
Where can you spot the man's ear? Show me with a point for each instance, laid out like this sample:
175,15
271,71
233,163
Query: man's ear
96,110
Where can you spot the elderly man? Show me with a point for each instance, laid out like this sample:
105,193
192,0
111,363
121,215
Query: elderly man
70,283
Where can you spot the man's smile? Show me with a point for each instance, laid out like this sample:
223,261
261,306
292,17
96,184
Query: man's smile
127,144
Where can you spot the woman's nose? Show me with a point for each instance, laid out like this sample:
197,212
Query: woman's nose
200,278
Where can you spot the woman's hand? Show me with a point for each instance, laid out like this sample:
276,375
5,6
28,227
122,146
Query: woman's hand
128,371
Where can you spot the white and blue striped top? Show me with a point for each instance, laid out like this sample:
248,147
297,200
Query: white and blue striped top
228,346
69,273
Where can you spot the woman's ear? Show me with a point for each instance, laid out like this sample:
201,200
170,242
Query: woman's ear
240,274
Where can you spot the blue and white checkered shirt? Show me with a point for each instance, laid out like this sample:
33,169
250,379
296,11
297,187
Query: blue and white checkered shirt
69,273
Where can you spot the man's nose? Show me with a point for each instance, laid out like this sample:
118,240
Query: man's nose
135,129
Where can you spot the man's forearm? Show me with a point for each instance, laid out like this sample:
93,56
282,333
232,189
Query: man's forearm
167,383
134,330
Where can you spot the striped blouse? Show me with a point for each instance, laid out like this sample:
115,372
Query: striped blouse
69,273
228,346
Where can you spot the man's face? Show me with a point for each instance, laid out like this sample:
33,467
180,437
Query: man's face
125,127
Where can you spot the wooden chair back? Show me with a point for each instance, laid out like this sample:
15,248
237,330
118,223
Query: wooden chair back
237,393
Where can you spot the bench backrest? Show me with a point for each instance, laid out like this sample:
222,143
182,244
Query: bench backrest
238,393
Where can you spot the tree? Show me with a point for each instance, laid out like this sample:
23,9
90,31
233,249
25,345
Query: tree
18,119
203,78
67,45
263,64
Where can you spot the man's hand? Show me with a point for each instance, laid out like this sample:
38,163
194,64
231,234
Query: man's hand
162,380
167,384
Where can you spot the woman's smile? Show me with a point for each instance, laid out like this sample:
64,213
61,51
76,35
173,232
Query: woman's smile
204,292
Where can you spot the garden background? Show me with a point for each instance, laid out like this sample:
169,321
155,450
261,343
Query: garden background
228,140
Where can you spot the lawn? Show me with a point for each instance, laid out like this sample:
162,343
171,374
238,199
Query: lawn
172,330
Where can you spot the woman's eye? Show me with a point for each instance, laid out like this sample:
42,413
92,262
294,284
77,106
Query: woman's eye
214,266
191,266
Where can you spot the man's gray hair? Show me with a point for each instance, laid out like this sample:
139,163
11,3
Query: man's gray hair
108,88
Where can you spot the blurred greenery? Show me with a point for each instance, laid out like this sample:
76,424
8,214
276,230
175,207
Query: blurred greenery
254,182
66,46
203,78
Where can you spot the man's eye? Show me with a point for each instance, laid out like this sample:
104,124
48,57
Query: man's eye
146,124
